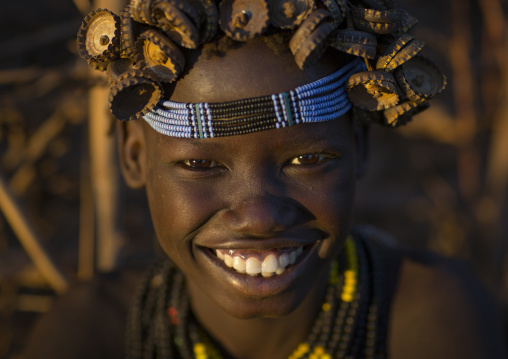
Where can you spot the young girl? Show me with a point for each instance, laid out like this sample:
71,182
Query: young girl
249,153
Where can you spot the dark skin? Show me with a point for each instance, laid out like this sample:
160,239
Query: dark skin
279,188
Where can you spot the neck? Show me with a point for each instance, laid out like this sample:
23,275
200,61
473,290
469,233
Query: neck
259,337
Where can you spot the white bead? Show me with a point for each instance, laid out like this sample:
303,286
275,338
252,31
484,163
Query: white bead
306,104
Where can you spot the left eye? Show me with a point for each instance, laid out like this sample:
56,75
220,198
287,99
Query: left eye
200,163
309,159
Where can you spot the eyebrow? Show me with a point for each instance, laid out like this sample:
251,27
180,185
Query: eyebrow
200,144
307,142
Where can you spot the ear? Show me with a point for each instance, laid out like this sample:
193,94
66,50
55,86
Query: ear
361,133
132,152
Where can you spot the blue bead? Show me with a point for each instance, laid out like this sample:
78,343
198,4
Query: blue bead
318,101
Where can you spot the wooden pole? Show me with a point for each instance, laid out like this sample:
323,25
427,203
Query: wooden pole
104,168
86,257
104,180
29,240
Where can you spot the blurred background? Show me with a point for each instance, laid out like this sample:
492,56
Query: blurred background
439,183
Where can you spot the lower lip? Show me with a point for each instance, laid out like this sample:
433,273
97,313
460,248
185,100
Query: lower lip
258,286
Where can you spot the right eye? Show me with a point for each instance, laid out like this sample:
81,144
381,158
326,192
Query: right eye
200,163
309,159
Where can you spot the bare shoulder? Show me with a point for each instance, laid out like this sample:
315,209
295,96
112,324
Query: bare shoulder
86,322
440,310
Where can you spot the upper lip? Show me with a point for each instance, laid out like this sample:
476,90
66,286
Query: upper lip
280,240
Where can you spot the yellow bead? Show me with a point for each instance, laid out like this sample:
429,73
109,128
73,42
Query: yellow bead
349,274
303,347
326,307
313,356
348,289
326,356
299,351
319,350
350,281
201,356
199,348
346,297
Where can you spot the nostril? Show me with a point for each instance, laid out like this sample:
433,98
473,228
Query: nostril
230,218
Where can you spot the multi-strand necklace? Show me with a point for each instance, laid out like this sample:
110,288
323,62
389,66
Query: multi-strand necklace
351,324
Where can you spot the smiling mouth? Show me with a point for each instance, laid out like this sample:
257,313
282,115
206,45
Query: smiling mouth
260,263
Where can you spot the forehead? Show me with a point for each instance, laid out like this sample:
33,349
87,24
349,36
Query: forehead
251,70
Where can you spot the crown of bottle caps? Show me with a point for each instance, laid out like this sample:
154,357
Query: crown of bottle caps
141,48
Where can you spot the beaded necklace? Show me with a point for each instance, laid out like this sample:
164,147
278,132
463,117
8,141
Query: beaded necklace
351,324
322,100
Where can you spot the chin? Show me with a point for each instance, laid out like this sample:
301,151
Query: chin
268,308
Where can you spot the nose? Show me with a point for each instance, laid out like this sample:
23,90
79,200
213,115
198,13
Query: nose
261,215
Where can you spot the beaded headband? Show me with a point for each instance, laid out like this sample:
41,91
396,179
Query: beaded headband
142,51
318,101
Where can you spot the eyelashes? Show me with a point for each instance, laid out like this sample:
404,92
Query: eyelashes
307,159
200,163
300,160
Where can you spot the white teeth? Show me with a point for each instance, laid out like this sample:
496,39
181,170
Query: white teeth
228,260
253,266
284,260
292,257
269,265
239,264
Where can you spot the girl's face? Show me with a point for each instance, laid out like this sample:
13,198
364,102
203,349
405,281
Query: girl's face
260,199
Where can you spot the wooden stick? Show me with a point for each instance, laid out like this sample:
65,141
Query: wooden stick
466,124
104,169
29,240
35,148
105,179
86,258
83,6
15,76
495,52
497,36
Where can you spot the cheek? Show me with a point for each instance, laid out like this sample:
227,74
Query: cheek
178,209
331,204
